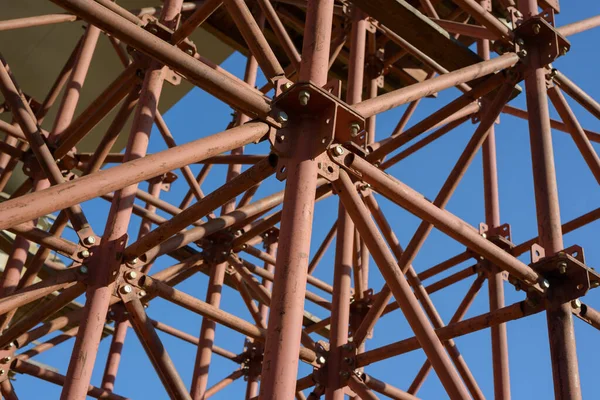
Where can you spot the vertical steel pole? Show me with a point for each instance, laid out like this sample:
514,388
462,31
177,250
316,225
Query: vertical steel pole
565,369
492,219
114,354
217,274
280,365
344,250
100,288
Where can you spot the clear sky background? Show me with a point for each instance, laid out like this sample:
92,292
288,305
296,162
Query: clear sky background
198,115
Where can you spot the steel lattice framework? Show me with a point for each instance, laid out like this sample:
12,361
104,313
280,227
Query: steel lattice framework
321,146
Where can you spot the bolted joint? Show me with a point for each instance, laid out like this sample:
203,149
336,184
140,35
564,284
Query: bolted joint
576,304
126,289
544,283
354,129
522,53
90,240
304,97
321,360
286,86
282,117
344,374
84,253
562,267
131,275
83,269
338,150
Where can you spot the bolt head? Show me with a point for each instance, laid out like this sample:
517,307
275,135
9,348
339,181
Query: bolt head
142,293
304,97
89,240
286,86
595,284
354,129
2,372
544,283
518,14
11,345
83,269
134,261
338,150
536,29
282,117
484,235
564,51
522,53
126,289
321,360
520,42
576,304
131,275
562,267
85,254
348,360
6,359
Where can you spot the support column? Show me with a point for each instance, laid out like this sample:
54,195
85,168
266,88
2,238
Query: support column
563,352
492,219
344,249
101,286
280,365
217,275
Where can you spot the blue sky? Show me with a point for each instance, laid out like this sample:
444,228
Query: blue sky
198,115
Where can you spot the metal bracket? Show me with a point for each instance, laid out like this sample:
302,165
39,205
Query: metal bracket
538,32
7,356
358,311
164,180
306,100
567,274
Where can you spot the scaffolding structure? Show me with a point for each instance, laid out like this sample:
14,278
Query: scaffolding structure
321,129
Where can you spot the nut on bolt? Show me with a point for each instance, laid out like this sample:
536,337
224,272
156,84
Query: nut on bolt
354,129
544,283
338,150
6,359
282,117
126,289
84,254
131,275
83,269
522,53
520,42
304,97
576,304
286,86
536,29
321,360
89,240
562,267
345,374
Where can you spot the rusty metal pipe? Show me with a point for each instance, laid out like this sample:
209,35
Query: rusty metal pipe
215,83
410,93
25,367
156,352
400,288
441,219
74,192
